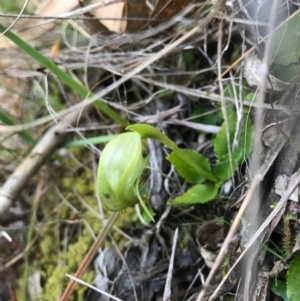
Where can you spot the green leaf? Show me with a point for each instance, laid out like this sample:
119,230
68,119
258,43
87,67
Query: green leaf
189,173
285,73
233,90
5,118
279,288
244,138
240,148
148,131
293,279
250,97
285,42
220,143
143,204
223,170
62,75
205,116
198,194
145,215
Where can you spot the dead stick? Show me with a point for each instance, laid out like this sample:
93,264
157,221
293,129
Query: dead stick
89,256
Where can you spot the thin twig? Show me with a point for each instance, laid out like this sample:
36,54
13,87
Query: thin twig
90,256
167,291
93,288
207,128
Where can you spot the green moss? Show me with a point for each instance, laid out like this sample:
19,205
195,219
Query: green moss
68,262
184,237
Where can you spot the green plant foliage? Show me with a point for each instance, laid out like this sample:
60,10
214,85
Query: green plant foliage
236,91
118,177
233,90
285,42
285,73
285,49
189,58
225,168
207,117
243,144
148,131
148,217
220,142
279,288
240,145
198,194
272,251
6,119
189,173
195,168
293,279
251,96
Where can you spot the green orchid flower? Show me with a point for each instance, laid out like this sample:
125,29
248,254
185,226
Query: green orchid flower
120,169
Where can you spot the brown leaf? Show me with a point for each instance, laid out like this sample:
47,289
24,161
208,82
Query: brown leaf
117,11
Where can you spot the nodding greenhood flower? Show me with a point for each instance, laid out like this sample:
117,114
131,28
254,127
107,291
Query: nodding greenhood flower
120,168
